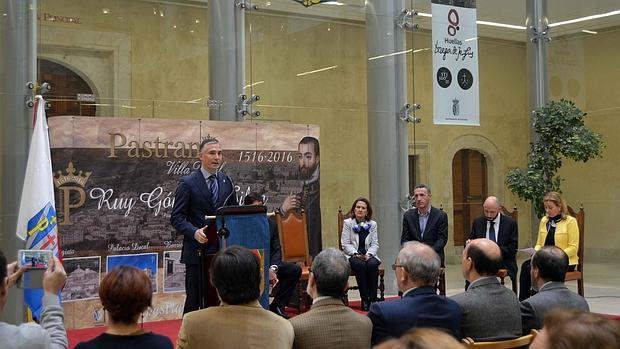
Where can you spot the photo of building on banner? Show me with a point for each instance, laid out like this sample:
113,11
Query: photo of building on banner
455,63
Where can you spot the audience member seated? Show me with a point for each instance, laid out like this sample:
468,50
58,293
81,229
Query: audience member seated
556,228
125,293
362,256
417,268
574,329
549,265
240,321
329,323
286,275
50,334
500,229
490,310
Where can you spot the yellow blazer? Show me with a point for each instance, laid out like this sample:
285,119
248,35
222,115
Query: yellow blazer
566,237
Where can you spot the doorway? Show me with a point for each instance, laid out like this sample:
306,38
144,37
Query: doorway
469,189
70,94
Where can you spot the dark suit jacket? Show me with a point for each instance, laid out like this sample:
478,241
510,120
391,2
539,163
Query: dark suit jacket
507,240
192,201
490,311
551,296
421,307
275,250
435,232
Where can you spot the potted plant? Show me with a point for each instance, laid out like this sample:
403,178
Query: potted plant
561,133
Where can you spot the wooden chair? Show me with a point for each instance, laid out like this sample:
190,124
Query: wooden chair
293,233
341,218
578,273
523,341
503,273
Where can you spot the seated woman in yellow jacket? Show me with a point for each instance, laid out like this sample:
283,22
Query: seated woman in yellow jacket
556,228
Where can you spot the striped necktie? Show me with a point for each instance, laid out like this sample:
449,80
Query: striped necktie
213,188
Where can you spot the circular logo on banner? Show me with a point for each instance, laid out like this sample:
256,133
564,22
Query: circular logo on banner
444,77
465,79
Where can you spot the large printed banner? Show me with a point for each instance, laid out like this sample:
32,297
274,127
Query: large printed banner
455,63
115,181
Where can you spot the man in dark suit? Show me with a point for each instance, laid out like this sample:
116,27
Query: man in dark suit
286,275
417,268
549,266
199,194
502,230
425,223
490,310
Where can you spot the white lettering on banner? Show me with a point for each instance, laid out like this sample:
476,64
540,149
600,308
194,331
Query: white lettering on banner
153,200
104,197
455,65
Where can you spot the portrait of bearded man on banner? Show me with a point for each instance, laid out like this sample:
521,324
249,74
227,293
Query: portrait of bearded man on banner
309,197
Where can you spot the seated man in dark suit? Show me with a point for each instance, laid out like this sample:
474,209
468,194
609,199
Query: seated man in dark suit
500,229
549,265
285,274
417,269
425,223
490,310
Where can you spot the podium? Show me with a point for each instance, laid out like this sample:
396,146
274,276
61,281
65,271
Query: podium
242,226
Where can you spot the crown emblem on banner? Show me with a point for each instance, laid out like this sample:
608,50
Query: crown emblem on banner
79,178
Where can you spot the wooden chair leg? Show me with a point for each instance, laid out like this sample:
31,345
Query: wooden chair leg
580,289
442,284
381,288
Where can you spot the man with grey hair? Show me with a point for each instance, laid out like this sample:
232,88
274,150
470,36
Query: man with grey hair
417,268
500,229
324,325
425,223
199,194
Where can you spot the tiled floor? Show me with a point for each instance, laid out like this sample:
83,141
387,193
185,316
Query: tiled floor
602,285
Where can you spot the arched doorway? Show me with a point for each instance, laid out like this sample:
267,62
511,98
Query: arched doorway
70,94
469,189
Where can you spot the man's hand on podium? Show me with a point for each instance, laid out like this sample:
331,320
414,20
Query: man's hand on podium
200,235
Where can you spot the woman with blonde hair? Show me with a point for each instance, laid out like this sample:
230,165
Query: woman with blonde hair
556,228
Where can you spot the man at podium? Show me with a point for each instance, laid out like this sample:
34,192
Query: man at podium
199,194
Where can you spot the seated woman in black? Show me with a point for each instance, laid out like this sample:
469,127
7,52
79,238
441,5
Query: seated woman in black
362,256
125,293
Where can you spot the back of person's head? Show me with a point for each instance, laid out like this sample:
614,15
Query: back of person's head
429,338
235,273
251,198
125,293
551,262
420,261
390,344
574,329
331,271
485,255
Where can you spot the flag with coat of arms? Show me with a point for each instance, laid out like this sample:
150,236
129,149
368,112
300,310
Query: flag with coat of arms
36,223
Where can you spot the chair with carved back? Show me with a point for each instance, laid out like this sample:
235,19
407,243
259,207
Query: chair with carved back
293,233
522,341
341,218
503,273
578,273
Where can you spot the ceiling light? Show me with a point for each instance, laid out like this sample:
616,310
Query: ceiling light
317,70
337,3
254,84
586,18
197,21
105,11
588,31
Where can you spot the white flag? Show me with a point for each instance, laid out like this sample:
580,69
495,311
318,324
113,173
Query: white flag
37,215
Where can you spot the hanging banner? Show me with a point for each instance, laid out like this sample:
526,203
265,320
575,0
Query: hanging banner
115,181
455,63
